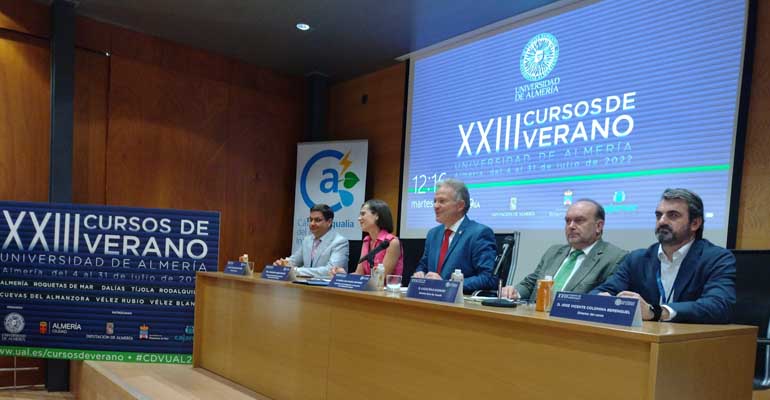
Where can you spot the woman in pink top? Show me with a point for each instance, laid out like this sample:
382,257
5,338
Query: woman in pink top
377,222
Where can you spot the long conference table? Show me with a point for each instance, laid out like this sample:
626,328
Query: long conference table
292,341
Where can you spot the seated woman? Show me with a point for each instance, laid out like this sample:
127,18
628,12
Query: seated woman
377,222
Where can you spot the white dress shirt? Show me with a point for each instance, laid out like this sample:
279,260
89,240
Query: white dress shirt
668,271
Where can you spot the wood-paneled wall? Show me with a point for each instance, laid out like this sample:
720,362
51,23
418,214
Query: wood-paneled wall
194,130
25,16
381,119
25,117
89,139
261,168
167,135
157,124
754,213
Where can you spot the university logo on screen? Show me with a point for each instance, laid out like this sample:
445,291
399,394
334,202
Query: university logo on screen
330,173
585,120
538,58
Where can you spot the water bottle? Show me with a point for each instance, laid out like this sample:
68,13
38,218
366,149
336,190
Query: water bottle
457,276
379,276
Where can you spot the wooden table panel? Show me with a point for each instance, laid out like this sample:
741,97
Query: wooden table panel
471,357
274,344
703,369
291,341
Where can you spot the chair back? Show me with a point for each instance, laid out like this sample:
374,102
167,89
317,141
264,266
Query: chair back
752,286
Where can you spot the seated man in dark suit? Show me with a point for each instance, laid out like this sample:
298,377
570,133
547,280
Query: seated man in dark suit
683,277
459,242
581,264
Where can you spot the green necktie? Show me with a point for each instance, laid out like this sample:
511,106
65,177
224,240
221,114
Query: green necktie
565,271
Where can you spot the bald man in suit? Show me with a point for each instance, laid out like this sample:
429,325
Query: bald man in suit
581,264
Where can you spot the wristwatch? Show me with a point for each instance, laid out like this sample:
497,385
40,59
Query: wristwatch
656,311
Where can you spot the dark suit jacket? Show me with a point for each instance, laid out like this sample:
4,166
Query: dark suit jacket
596,267
473,250
704,288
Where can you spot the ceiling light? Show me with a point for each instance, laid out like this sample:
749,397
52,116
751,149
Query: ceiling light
303,27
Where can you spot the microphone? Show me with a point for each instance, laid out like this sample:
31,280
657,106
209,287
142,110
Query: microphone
380,247
507,246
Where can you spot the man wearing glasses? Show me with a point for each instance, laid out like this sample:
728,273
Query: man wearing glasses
581,264
321,251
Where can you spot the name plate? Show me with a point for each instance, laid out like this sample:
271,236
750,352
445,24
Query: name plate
435,290
237,268
594,308
277,273
349,282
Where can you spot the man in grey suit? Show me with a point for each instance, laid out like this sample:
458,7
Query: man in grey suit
579,266
321,251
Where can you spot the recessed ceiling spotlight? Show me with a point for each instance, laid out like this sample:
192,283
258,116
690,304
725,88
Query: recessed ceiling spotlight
303,27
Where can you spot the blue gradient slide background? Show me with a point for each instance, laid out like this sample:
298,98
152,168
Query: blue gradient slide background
680,60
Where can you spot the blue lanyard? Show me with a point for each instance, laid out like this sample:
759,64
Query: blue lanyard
663,298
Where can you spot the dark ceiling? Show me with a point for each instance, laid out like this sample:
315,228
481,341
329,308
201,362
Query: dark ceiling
348,38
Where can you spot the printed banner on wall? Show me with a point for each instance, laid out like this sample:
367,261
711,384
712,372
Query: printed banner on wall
332,173
85,282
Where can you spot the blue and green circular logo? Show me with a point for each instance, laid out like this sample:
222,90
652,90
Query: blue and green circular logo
329,180
539,57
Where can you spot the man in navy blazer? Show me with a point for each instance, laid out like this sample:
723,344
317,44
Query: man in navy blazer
683,278
464,244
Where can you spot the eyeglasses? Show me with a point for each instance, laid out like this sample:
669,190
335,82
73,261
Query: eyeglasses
316,220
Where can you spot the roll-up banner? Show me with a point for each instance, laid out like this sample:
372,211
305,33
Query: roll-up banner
332,173
84,282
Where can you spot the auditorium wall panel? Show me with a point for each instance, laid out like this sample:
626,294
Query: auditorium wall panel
25,125
25,16
195,130
90,127
157,124
93,35
166,138
380,121
25,116
754,213
264,124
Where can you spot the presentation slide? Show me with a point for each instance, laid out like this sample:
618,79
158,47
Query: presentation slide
610,100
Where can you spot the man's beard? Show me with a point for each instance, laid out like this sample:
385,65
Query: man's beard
666,235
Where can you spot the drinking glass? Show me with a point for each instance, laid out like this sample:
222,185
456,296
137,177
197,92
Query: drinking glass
393,282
